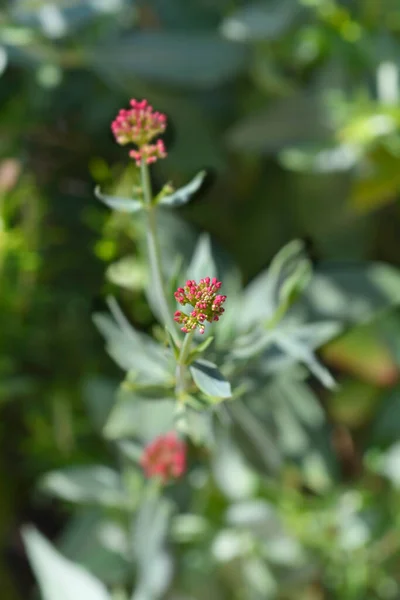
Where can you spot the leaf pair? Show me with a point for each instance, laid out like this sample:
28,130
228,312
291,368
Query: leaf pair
134,205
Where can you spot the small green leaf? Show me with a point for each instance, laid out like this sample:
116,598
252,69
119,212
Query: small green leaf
201,348
210,380
183,194
126,205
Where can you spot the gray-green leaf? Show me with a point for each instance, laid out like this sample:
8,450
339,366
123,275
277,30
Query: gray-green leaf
210,380
86,484
127,205
184,194
58,577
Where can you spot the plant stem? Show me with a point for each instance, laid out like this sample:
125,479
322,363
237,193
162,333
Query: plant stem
154,253
181,366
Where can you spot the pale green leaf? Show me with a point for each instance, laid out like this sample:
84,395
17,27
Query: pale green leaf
94,484
210,380
58,577
126,205
183,194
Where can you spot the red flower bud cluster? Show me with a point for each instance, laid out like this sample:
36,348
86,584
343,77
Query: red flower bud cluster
139,125
165,458
205,300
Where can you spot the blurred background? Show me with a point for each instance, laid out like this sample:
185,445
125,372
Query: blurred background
293,108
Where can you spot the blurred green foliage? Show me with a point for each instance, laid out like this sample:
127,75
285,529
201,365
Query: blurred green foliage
293,105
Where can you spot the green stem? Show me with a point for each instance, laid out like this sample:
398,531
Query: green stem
181,366
154,253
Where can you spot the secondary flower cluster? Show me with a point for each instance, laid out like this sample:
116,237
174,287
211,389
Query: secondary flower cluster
205,300
139,125
165,458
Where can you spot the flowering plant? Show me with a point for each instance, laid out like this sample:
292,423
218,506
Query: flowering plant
221,365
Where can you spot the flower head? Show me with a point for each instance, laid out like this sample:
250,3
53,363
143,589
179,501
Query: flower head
165,457
205,300
139,125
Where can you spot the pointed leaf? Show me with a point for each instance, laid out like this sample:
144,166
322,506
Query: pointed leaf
172,343
58,577
210,380
126,205
184,194
131,350
262,297
201,348
300,352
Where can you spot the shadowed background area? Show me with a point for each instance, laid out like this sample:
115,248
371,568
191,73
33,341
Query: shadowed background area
293,108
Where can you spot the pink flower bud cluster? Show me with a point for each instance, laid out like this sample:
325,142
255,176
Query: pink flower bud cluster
165,458
140,125
205,300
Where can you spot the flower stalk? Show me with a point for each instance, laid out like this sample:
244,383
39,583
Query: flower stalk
182,365
154,251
